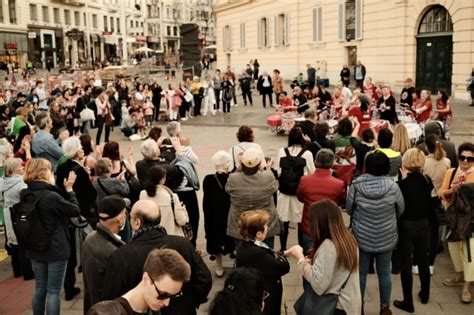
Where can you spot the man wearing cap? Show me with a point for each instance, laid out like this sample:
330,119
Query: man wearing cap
99,245
124,270
252,188
19,102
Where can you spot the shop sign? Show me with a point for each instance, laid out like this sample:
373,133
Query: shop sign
107,33
11,46
75,34
31,34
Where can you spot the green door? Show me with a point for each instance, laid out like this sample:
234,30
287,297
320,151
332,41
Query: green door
434,63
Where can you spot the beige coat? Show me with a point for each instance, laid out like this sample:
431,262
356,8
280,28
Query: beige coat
278,84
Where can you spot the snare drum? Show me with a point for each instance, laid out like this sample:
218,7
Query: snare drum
332,126
403,117
378,124
287,122
274,120
414,132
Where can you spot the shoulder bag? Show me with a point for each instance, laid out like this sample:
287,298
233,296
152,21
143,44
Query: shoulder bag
438,215
187,228
325,304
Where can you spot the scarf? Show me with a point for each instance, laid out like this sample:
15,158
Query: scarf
147,228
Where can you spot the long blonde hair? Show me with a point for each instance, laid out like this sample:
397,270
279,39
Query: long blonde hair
401,141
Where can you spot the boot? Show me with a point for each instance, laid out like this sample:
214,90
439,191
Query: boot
385,310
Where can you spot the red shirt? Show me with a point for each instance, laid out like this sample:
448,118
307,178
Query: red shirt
426,114
318,186
371,91
441,105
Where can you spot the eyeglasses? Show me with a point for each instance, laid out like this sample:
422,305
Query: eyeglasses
165,295
266,294
470,159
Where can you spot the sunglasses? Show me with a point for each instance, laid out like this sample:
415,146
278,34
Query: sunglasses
470,159
165,295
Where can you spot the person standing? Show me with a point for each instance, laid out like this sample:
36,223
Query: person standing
156,99
245,82
227,87
256,68
231,77
386,106
406,96
54,210
99,245
359,74
217,82
197,92
414,228
470,87
104,116
311,72
278,85
345,75
264,86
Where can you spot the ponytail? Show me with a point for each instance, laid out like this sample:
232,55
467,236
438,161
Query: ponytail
156,173
434,146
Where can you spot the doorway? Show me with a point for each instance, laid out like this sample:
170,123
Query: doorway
434,50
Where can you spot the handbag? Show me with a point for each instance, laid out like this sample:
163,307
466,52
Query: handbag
310,303
87,114
187,228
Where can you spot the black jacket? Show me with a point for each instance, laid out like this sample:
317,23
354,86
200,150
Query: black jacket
54,212
260,86
85,191
125,269
307,128
97,248
271,265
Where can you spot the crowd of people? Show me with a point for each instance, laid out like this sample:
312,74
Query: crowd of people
130,227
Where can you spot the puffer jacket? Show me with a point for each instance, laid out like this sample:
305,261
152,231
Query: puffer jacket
377,204
10,188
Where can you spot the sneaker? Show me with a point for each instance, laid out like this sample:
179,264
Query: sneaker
184,119
431,270
454,281
414,270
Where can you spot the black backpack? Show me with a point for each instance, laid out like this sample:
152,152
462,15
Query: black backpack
292,169
168,152
27,225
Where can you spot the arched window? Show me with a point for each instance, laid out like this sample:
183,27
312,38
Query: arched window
436,20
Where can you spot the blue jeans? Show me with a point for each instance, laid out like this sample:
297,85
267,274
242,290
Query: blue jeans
49,281
382,261
307,244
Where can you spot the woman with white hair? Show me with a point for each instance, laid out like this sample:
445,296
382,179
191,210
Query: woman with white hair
216,204
86,195
10,186
151,157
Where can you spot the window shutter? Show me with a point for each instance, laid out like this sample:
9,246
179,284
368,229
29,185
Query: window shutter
224,41
275,31
358,20
287,29
229,35
315,24
259,35
320,24
342,22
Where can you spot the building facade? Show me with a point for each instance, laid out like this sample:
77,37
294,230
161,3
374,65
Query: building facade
427,40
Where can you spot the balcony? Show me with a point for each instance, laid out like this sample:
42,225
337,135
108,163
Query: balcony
78,3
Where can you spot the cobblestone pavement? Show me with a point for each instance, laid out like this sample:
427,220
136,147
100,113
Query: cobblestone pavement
211,133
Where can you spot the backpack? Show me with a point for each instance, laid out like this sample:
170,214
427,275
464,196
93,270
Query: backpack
292,169
27,225
168,152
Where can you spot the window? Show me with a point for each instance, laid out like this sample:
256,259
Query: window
168,12
227,38
33,12
1,11
175,31
45,13
141,24
168,30
77,18
350,20
12,11
436,20
112,28
263,33
118,25
94,20
84,17
67,17
148,10
136,24
56,16
317,24
131,24
242,35
106,29
282,34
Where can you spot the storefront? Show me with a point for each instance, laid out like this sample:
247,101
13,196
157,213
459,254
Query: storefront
95,47
75,44
110,45
13,49
46,44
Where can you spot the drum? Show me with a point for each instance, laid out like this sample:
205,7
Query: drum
287,122
403,117
332,126
274,120
414,132
378,124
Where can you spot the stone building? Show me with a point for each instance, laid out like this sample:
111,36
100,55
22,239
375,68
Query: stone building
430,41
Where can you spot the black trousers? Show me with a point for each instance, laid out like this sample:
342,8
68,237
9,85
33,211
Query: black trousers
70,277
414,241
360,83
226,106
311,85
100,122
264,94
20,264
247,94
189,198
197,104
277,98
217,93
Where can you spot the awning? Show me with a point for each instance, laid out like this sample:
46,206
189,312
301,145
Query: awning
131,40
101,37
94,38
111,39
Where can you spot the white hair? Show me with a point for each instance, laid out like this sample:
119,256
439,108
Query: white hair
71,146
222,159
173,128
149,149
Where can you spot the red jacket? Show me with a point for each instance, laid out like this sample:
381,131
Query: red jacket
318,186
